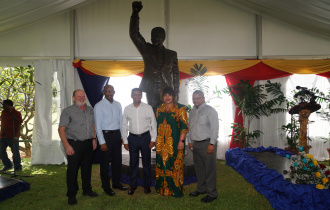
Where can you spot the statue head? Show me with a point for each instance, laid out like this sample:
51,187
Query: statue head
158,36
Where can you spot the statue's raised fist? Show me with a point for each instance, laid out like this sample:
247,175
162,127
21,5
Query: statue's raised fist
137,6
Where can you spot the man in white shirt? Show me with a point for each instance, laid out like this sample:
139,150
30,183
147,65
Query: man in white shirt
139,120
108,116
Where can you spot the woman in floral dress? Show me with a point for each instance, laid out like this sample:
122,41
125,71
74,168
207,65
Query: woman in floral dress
172,127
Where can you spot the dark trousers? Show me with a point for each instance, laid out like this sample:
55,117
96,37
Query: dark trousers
113,155
83,155
14,146
205,168
137,144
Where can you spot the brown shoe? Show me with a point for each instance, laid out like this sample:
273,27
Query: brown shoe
131,190
147,190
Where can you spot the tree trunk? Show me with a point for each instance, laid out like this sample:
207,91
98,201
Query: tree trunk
26,149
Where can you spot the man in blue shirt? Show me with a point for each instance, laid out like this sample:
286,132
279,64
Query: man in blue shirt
108,118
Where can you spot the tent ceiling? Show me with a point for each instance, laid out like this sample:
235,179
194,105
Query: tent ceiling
310,15
16,13
313,16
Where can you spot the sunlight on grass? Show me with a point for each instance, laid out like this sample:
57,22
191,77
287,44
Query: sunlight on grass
43,171
48,189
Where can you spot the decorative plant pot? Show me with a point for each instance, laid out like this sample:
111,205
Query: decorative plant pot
294,151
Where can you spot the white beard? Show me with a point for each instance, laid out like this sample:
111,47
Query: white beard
80,103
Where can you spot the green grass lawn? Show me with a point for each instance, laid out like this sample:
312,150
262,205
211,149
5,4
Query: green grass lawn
48,191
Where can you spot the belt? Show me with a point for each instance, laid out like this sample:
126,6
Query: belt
111,131
139,135
208,139
80,140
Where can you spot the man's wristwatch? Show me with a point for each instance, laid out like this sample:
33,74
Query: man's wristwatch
182,141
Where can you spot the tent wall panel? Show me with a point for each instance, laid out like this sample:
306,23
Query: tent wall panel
50,37
102,28
208,28
211,28
282,39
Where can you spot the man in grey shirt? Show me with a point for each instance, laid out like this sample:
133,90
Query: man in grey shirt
77,132
202,138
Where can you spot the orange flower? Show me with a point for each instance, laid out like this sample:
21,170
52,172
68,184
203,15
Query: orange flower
318,175
319,186
325,180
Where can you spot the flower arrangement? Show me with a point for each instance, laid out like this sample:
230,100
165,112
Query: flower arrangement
304,169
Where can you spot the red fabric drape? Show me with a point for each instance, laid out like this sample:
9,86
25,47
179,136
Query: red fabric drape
326,74
259,71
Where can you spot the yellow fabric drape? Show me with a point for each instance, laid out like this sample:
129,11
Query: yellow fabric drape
214,67
114,68
217,67
300,66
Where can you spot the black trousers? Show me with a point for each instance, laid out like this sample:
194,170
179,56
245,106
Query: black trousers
137,144
113,155
82,158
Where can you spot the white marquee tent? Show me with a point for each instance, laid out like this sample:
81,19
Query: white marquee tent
50,34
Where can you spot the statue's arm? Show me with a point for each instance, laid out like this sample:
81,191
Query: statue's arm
134,29
176,75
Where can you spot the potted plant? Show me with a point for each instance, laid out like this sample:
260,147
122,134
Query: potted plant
253,103
291,133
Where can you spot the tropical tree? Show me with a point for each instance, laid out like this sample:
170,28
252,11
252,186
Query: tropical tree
252,102
18,85
201,82
198,81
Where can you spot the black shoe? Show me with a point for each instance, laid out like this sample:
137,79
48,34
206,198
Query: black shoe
72,201
6,168
208,199
196,193
120,187
18,169
131,190
147,190
90,193
110,192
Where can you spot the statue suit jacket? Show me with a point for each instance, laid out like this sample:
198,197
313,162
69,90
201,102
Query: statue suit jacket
155,76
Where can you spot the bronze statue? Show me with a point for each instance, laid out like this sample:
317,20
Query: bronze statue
160,64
